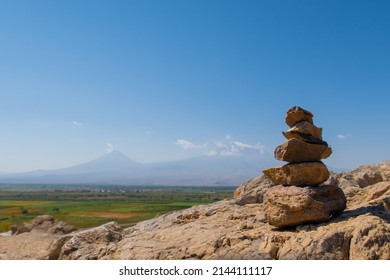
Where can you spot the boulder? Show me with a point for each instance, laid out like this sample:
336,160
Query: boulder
296,151
296,114
307,128
299,174
290,206
47,224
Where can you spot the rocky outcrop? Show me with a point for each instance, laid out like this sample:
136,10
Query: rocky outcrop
32,246
226,230
40,239
365,237
352,182
231,229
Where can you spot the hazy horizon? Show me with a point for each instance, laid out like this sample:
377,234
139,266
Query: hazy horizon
162,81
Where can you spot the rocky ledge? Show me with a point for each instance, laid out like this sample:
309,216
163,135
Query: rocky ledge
229,229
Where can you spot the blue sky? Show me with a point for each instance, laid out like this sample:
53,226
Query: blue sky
165,80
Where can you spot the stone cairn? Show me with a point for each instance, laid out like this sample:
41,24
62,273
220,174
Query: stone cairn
299,197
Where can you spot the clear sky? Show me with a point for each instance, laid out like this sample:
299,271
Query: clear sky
165,80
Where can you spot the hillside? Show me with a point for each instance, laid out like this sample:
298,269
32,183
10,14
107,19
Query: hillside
230,229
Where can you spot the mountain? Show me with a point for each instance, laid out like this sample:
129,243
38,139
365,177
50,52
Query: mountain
117,168
113,162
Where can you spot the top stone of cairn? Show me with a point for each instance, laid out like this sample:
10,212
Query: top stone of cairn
296,115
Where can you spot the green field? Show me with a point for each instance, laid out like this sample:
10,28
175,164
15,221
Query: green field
88,206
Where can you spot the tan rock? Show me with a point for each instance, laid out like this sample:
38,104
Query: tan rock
299,174
372,194
323,244
348,187
296,114
303,137
367,175
296,151
290,206
92,244
363,237
308,129
370,241
254,187
246,199
35,245
47,224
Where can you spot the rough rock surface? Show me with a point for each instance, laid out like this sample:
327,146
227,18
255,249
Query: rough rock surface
367,175
255,187
227,230
303,137
290,206
307,128
47,224
295,151
299,174
41,239
31,246
296,114
352,182
93,244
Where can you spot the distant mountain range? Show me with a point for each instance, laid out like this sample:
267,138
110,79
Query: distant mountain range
117,168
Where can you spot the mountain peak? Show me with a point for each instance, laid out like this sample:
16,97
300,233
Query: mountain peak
116,153
115,157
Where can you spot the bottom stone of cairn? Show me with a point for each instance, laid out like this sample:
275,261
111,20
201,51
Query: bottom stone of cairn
293,205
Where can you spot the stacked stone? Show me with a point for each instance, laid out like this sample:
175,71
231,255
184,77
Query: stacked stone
299,197
303,151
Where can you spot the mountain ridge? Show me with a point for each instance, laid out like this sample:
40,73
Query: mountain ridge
118,168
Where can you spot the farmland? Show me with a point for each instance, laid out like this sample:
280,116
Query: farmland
89,206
